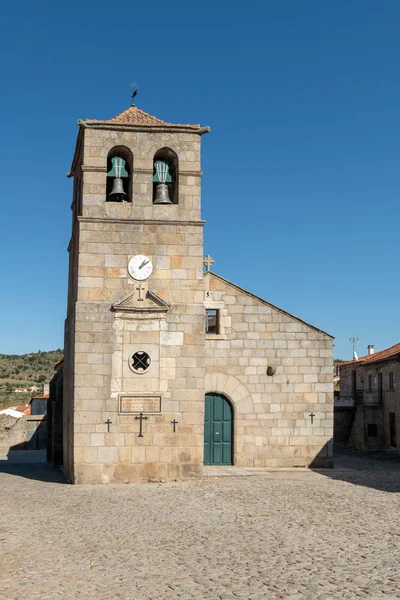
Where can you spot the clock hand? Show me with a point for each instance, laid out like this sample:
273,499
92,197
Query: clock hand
145,262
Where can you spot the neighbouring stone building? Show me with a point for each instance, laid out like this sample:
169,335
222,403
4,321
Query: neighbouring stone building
369,391
24,427
168,368
13,430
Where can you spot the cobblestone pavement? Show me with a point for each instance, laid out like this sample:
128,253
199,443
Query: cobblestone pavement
286,535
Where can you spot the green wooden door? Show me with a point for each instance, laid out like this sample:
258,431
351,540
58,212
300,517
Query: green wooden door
217,431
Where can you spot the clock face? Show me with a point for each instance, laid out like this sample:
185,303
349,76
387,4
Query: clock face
140,267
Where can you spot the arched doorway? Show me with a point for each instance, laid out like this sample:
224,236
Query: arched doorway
218,430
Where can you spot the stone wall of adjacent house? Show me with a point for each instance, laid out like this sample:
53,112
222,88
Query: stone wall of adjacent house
272,424
343,422
13,434
346,391
357,433
391,398
55,419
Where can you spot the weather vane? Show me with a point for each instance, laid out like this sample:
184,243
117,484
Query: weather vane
134,87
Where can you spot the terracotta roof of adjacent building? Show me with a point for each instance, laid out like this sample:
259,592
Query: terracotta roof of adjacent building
45,397
376,356
26,410
59,362
136,116
16,411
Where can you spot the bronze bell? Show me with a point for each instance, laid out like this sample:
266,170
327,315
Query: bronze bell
162,195
117,193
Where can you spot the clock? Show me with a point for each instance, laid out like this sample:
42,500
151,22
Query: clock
140,267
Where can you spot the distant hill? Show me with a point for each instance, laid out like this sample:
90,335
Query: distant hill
36,367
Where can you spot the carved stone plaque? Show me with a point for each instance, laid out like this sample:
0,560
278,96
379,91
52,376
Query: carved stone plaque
139,404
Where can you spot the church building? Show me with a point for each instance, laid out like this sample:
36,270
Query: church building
169,367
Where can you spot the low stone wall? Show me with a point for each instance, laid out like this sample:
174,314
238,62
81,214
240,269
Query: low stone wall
13,433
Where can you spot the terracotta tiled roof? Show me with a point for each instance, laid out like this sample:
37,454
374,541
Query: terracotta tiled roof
135,116
59,362
45,397
26,410
376,356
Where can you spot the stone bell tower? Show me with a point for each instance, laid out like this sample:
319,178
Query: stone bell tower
134,333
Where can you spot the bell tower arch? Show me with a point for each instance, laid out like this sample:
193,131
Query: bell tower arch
134,332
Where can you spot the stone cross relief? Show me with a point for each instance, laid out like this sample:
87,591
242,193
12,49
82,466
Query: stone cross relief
140,292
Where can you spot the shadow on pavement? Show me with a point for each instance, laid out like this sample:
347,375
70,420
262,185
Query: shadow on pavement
377,469
32,470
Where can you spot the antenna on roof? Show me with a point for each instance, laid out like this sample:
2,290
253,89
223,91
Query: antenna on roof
134,87
354,342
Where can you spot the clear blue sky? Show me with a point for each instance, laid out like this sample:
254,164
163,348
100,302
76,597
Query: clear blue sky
301,169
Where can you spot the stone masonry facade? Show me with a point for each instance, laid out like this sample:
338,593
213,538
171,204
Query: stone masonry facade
111,316
272,426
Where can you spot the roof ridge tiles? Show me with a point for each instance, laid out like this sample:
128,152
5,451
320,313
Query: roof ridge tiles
136,116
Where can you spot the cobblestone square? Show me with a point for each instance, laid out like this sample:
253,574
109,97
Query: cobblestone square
283,535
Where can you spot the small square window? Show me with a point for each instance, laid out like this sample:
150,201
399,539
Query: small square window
212,321
391,382
372,430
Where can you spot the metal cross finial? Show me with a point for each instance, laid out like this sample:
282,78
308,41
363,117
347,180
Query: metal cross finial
208,261
134,92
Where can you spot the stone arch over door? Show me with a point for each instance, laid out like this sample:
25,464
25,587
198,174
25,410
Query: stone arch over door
238,396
